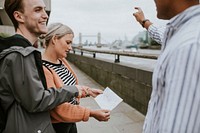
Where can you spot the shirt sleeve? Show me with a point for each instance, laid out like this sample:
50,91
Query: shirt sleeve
67,112
157,33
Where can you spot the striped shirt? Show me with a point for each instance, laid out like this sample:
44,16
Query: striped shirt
65,75
156,33
174,106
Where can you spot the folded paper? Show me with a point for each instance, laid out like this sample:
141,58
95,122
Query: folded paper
108,100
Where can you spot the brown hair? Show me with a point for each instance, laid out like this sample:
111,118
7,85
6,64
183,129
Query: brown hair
11,6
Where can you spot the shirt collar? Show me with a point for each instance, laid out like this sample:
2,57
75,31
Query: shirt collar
184,16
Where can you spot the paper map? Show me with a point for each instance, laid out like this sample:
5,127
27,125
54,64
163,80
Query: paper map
108,100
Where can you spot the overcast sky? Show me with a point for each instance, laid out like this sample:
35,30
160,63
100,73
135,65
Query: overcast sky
112,18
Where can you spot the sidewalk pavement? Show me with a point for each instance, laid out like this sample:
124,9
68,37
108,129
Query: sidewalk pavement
124,118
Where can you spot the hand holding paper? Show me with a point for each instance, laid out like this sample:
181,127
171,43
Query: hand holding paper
108,100
95,92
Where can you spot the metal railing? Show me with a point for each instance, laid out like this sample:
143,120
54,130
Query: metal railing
116,53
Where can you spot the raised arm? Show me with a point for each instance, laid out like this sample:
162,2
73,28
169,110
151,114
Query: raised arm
156,33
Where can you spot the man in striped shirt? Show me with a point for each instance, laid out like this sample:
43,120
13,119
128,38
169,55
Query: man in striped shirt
174,106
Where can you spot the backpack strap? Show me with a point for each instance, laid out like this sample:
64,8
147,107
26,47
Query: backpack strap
3,116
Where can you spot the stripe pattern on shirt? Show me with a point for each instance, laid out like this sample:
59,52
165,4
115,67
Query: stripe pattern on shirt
174,106
65,75
156,33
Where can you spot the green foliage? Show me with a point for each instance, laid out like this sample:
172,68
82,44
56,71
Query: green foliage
154,44
4,35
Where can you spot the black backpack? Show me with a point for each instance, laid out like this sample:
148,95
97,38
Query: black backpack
3,116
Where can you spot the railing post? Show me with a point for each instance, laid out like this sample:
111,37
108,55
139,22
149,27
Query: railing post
117,58
117,54
94,55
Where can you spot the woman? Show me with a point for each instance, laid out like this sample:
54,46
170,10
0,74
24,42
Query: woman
58,72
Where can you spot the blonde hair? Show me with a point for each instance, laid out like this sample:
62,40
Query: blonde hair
58,30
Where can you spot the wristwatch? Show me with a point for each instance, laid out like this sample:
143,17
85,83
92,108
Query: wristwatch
144,21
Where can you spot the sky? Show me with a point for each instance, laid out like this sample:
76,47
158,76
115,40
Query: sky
112,18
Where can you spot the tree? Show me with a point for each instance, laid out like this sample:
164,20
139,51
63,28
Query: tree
4,35
154,44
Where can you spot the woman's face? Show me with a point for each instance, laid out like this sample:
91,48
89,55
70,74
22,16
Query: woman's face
63,45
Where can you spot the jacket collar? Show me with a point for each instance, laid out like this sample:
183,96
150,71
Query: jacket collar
15,43
15,40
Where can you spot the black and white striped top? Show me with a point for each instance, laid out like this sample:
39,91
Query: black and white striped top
65,75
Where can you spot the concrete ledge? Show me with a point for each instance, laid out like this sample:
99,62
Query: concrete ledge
132,84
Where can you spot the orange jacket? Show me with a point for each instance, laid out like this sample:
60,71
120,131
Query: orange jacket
65,112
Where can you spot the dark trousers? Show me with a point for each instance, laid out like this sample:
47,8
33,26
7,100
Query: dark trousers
65,127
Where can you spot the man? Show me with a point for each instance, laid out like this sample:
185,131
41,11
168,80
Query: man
174,106
23,91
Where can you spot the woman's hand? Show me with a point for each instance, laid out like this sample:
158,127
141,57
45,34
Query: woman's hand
87,91
94,92
100,115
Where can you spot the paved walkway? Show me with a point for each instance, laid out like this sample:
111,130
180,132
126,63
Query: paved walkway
124,118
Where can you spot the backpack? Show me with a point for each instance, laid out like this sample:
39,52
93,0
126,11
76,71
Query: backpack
3,116
3,111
